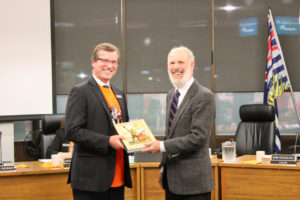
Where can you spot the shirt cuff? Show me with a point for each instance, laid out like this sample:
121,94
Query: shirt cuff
162,146
162,170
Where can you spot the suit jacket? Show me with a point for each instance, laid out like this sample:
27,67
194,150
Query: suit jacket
187,162
89,125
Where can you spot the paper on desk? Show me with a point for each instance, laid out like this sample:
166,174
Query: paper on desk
45,160
49,165
249,162
22,166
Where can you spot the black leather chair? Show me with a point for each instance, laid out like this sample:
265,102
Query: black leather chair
256,131
50,124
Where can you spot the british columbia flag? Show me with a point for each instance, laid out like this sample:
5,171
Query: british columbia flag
276,75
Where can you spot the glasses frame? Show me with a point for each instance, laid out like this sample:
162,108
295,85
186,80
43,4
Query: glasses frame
106,61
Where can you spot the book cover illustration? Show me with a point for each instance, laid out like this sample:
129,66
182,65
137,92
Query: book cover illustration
136,133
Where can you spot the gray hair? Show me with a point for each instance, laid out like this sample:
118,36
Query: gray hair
186,50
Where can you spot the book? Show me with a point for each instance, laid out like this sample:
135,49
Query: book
137,133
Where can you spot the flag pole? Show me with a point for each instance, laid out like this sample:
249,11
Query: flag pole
291,88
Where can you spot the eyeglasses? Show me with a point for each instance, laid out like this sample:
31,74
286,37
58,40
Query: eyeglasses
106,61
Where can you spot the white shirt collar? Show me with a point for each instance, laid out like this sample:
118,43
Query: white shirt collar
99,81
185,88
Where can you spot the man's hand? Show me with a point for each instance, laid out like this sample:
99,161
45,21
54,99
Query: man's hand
115,142
152,147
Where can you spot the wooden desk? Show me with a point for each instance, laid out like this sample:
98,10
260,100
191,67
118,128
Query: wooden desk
215,191
259,181
150,188
134,193
36,182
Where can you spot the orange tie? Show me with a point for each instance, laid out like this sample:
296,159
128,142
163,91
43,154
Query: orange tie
71,147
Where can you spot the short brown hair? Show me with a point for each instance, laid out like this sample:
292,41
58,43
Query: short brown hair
104,47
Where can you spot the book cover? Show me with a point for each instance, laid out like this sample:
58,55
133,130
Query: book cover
136,133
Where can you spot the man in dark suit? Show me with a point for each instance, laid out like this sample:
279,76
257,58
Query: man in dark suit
100,167
186,171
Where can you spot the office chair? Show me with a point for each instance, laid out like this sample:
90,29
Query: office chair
50,124
256,131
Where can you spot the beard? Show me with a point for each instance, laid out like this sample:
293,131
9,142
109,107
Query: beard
179,83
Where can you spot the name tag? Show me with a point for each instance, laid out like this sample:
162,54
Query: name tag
66,144
173,156
119,96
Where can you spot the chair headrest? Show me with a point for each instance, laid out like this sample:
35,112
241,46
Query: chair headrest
51,123
257,113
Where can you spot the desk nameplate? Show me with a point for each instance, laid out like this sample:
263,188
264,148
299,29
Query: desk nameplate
7,168
284,157
283,162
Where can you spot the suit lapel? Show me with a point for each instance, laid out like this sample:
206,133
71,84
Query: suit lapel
184,104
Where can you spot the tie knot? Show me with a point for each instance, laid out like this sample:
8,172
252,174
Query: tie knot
177,93
106,86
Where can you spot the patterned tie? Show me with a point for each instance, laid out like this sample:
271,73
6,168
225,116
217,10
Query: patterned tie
173,108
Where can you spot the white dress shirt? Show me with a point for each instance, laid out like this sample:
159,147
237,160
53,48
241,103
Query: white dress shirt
99,81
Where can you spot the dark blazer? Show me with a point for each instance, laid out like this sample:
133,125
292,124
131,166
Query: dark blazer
59,144
89,125
187,161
